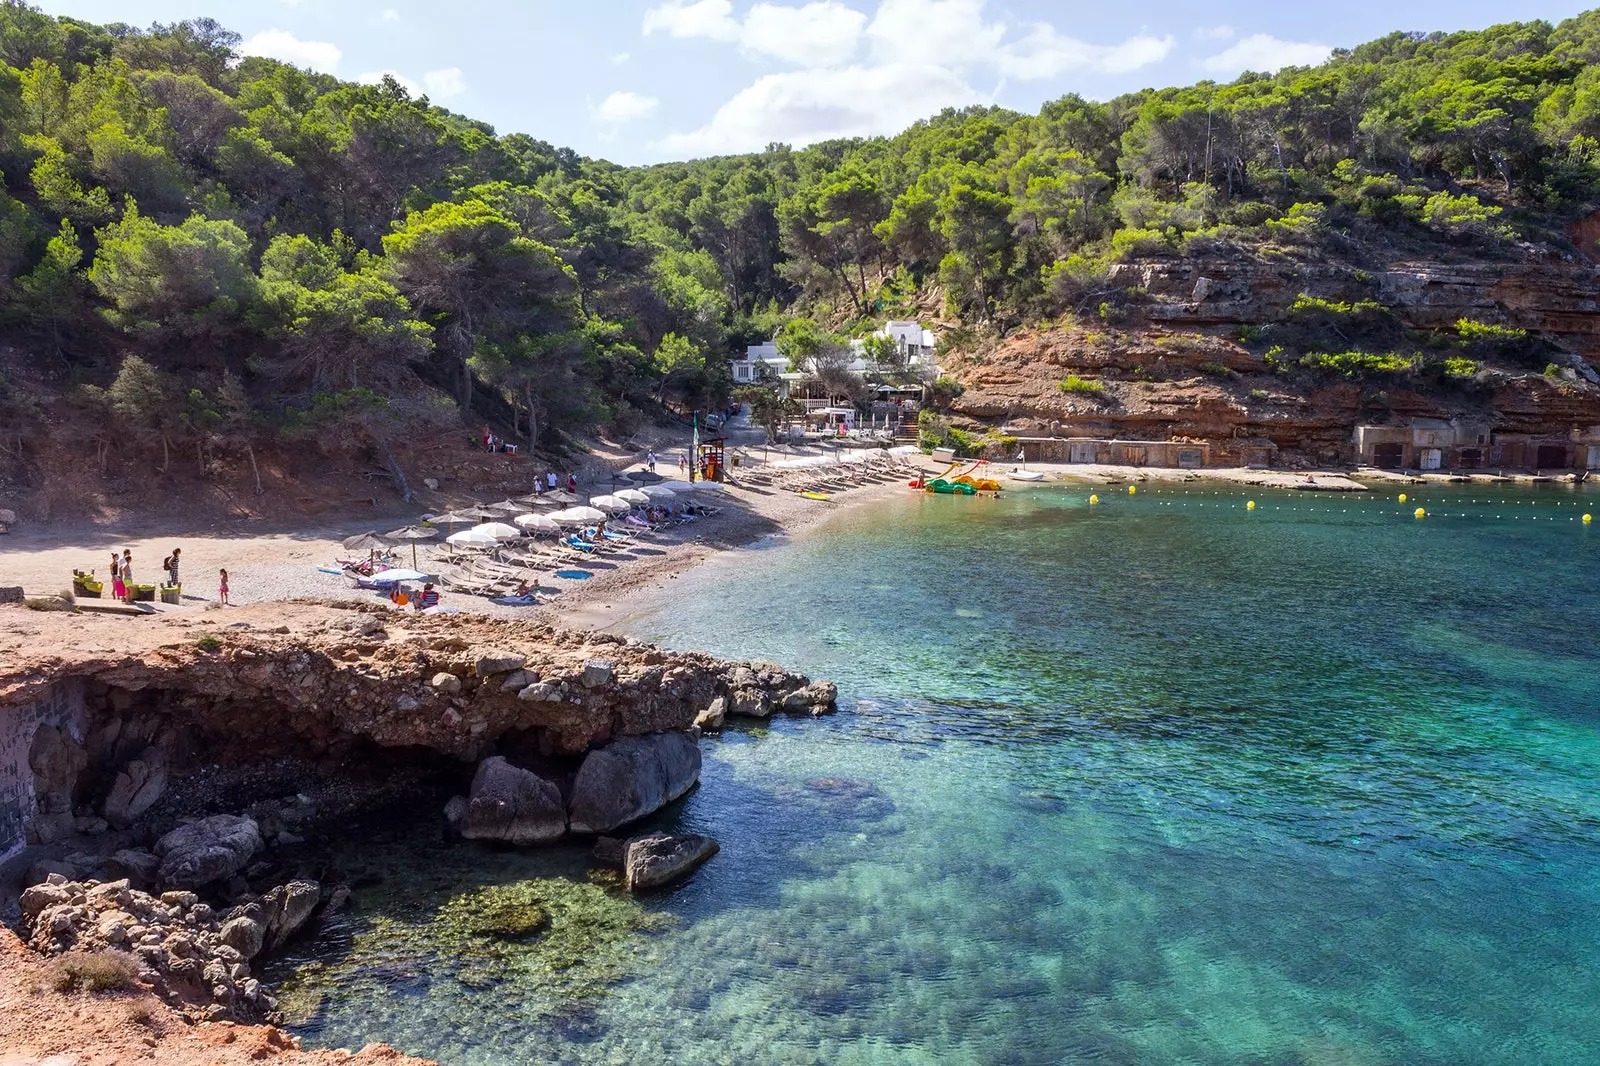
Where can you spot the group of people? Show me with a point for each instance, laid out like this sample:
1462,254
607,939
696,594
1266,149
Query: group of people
550,482
122,575
489,442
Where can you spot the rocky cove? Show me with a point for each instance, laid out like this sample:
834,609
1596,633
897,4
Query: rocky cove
164,782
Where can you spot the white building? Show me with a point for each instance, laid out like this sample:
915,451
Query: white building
915,344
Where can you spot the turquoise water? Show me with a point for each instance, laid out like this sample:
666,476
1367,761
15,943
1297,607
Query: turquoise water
1158,781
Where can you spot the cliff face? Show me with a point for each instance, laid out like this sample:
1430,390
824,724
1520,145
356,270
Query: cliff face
1175,369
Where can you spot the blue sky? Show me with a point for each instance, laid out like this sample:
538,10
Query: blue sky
642,81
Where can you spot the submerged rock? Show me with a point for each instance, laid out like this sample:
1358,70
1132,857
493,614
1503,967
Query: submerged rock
658,859
631,778
512,804
208,850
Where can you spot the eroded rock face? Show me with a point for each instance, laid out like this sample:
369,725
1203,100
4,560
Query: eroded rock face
631,778
514,805
287,908
207,850
658,859
136,788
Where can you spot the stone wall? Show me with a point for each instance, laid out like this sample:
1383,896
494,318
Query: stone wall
61,706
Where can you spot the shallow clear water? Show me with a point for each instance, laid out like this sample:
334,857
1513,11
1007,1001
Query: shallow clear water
1158,781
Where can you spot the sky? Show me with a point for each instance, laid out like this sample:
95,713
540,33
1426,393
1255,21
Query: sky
644,81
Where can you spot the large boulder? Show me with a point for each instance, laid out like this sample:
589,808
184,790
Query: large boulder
208,850
512,804
287,908
631,778
659,859
244,935
136,788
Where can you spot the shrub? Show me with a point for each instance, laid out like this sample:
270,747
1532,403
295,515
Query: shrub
210,642
1073,384
1128,243
1463,215
100,971
1457,367
1251,333
1275,361
1216,370
1488,333
1259,395
1302,222
1355,364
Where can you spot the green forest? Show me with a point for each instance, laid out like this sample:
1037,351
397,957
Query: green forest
209,243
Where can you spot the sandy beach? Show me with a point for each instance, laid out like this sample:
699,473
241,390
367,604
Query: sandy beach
267,565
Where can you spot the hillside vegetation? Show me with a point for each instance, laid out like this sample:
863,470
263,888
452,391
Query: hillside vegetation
216,250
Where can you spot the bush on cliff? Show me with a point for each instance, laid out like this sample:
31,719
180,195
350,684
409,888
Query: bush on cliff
100,971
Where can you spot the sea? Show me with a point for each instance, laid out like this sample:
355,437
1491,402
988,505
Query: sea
1159,779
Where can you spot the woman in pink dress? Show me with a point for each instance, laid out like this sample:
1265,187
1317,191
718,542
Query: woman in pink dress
119,591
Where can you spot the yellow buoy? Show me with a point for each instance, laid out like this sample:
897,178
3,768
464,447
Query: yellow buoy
1402,497
1588,518
1251,506
1094,499
1419,513
1132,489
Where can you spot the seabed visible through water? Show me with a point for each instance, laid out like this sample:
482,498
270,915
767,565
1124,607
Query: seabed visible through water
1158,780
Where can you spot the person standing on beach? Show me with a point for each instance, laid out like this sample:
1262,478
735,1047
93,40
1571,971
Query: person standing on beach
683,462
222,588
650,461
572,482
119,591
551,480
127,572
172,568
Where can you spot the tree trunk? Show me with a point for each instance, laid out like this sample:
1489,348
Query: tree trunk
166,453
392,464
250,450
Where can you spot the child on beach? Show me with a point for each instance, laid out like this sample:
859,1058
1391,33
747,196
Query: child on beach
222,588
119,591
127,573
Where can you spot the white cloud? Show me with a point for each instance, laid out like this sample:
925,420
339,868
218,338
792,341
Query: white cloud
619,59
946,32
390,15
375,77
286,47
1044,53
443,84
1265,53
821,33
801,107
623,107
702,18
1213,33
818,34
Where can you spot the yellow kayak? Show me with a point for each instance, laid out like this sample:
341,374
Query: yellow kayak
816,495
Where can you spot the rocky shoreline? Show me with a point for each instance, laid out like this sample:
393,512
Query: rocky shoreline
171,773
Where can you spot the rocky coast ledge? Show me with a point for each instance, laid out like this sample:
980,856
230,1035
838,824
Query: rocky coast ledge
160,778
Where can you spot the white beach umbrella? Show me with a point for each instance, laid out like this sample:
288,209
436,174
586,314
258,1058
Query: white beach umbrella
611,504
498,530
677,486
578,516
659,492
541,523
471,538
634,496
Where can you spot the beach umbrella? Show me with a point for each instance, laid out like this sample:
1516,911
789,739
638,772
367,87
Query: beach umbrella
391,577
611,504
365,542
471,538
464,517
498,530
542,523
413,534
561,496
634,496
506,507
578,516
677,486
658,492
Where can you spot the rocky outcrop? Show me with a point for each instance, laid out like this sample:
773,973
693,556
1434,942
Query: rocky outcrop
631,778
658,859
136,788
514,805
189,955
208,850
